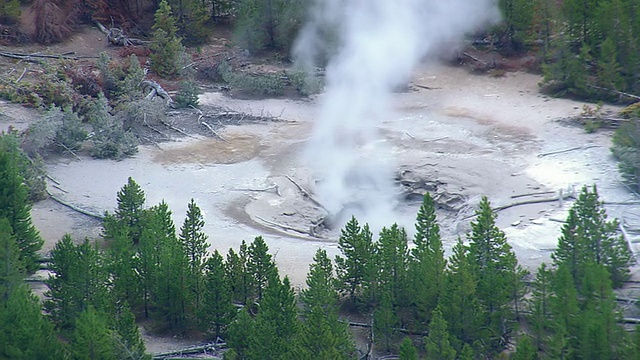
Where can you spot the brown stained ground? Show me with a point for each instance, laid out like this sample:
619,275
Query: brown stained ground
233,149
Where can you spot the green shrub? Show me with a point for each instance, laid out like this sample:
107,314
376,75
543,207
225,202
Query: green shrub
58,129
267,84
109,139
188,94
306,84
31,169
121,81
626,149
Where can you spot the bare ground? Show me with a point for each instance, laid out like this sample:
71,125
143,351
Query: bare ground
467,135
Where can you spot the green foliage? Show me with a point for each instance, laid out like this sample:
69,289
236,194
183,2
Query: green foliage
322,334
269,25
16,208
79,282
9,10
355,271
525,350
31,170
588,237
276,325
166,47
194,245
92,338
109,138
426,264
59,129
407,350
187,96
24,332
121,81
306,84
130,211
11,268
239,278
540,306
437,343
496,268
264,84
217,311
260,267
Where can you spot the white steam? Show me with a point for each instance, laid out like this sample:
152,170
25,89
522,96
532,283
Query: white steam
377,44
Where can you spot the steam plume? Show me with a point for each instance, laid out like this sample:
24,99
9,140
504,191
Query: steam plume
377,43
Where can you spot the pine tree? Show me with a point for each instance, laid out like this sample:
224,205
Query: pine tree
407,350
260,266
11,269
276,325
92,338
15,207
540,307
238,274
525,350
589,238
166,47
24,332
437,343
240,334
217,308
496,268
385,322
80,281
131,199
355,269
129,344
194,245
121,262
322,334
426,264
565,314
392,257
459,302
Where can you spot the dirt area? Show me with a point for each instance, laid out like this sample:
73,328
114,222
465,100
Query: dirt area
462,135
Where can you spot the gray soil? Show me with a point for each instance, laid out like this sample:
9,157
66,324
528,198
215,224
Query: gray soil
467,136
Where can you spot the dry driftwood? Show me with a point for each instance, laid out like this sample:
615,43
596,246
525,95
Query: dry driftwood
155,89
274,188
615,92
306,194
532,194
116,36
75,208
568,150
215,349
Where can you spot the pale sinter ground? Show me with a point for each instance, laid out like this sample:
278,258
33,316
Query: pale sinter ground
476,135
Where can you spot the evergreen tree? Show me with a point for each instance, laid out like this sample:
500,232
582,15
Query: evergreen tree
600,336
355,270
15,207
426,264
459,303
238,274
565,314
24,332
392,256
525,350
276,325
92,339
540,306
589,238
217,308
131,199
129,344
260,266
79,282
11,269
240,334
407,350
166,47
437,343
149,256
385,322
498,274
121,263
194,245
322,334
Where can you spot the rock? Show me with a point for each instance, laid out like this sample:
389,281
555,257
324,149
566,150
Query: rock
516,223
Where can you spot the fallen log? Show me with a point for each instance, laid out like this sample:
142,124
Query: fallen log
214,349
306,194
532,194
402,330
615,91
116,36
155,89
75,208
568,150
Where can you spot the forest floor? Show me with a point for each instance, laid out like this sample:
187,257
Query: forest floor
474,135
